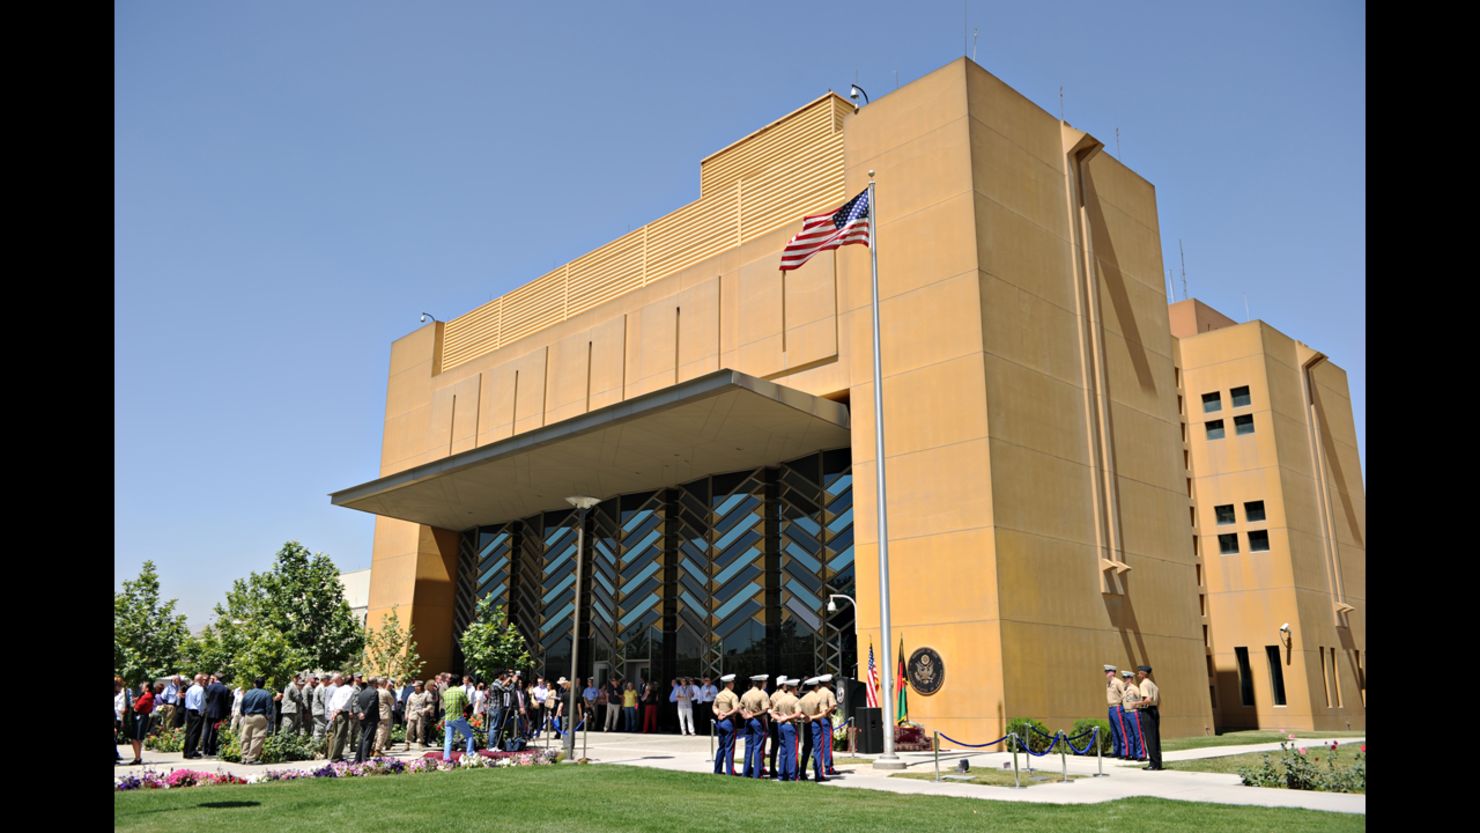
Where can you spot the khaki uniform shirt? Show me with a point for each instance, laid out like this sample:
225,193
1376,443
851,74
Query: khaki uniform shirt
784,704
419,702
387,703
725,702
1132,697
810,704
829,700
1150,694
755,701
1114,692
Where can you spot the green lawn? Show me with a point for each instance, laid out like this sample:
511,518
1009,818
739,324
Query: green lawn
1241,738
610,799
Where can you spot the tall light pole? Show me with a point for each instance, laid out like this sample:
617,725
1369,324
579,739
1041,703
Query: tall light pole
582,505
888,760
832,607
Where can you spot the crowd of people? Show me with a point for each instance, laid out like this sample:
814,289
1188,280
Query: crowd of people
348,712
341,712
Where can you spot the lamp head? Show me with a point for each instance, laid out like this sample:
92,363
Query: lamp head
1285,628
853,92
581,502
832,606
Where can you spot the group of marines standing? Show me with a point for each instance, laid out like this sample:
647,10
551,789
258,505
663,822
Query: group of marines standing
1135,716
797,726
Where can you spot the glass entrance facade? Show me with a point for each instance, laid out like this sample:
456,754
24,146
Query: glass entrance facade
729,573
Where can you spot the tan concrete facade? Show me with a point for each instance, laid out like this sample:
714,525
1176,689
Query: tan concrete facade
1299,460
1038,501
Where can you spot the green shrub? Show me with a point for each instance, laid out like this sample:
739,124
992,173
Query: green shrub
228,745
287,746
167,740
1264,775
1037,742
1082,726
1300,768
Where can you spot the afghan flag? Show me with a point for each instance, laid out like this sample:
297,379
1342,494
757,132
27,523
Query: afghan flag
902,710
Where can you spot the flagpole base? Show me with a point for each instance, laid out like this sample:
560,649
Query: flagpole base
893,762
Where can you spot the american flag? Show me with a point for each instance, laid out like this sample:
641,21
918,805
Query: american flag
873,680
821,232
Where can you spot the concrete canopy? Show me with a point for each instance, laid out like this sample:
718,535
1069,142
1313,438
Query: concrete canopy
720,422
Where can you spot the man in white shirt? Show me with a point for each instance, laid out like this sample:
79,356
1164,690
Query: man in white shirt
236,710
683,695
339,701
195,716
537,708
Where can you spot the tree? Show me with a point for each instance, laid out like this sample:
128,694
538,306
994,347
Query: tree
288,619
303,598
148,638
491,643
390,651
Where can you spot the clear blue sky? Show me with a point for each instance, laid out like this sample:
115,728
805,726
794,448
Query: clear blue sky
295,182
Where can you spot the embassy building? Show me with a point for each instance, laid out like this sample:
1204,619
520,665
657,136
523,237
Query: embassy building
1077,472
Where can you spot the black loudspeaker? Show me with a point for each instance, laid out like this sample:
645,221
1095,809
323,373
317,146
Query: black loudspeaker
870,723
850,694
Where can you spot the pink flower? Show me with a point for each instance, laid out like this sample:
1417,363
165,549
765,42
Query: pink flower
1302,750
1364,747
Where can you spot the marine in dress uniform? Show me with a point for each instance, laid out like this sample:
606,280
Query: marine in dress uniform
754,704
784,715
811,706
1150,713
725,705
1114,693
1135,748
829,708
773,735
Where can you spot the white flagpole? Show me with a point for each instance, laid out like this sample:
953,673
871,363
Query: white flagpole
888,760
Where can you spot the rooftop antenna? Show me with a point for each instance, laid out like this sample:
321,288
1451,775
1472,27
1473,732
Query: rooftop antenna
974,34
1247,316
1182,254
1117,144
1170,294
1061,102
896,79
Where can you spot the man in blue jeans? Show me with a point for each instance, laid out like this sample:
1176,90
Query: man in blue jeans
454,706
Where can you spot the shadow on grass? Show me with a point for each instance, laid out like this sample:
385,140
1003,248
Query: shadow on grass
225,804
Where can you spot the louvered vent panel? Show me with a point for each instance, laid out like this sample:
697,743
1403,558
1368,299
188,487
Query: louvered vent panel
533,306
612,270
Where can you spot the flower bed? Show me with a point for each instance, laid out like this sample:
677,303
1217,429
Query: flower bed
178,778
1300,769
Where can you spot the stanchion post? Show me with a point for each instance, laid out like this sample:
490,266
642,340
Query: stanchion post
586,737
1017,781
1099,756
1064,755
1026,740
711,741
935,742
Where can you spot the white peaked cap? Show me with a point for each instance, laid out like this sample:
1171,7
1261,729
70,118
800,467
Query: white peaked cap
727,678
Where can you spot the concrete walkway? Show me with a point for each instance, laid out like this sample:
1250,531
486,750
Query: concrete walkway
1121,780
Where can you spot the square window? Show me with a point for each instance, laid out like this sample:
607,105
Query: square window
1241,397
1258,541
1228,544
1212,402
1224,513
1241,424
1215,429
1254,510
